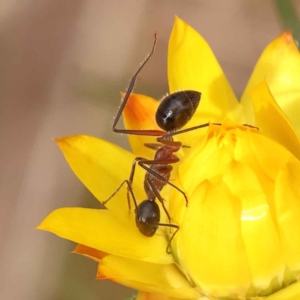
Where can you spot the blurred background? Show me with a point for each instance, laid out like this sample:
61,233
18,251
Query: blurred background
62,66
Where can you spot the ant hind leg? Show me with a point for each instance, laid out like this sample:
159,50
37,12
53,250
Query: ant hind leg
129,190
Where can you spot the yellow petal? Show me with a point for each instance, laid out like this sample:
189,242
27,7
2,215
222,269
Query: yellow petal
107,271
280,65
287,195
192,65
98,229
257,221
163,279
139,114
102,166
271,120
208,237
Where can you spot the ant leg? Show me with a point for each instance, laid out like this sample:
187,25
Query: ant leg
144,162
251,126
168,249
165,137
159,197
157,146
129,187
132,176
126,97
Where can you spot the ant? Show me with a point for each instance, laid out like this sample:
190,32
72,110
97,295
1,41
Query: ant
173,112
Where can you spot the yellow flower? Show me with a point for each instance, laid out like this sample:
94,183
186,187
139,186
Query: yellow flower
239,237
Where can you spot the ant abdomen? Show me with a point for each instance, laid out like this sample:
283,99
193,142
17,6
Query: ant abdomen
176,109
147,217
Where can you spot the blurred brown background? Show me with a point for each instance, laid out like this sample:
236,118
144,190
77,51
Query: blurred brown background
62,66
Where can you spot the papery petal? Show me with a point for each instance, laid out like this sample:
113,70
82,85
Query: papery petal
163,279
271,120
280,65
102,167
102,230
192,65
139,113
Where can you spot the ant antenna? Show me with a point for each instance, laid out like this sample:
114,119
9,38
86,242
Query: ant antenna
133,80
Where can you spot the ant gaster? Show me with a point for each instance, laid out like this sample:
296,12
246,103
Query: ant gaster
173,112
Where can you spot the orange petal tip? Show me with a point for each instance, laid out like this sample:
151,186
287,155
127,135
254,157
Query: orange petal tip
91,253
288,36
58,141
286,39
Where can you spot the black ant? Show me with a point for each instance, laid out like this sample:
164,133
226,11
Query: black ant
173,112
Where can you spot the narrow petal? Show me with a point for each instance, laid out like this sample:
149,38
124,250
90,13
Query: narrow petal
102,167
139,114
192,65
280,65
163,279
271,120
98,229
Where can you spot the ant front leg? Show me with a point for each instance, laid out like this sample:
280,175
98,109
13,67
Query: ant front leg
168,249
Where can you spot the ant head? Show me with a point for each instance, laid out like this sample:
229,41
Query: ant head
147,217
176,109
